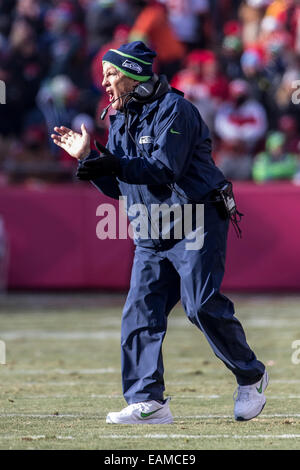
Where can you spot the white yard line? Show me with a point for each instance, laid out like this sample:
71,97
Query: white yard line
105,370
262,416
270,323
5,370
283,381
282,397
95,416
114,333
202,436
65,395
59,335
43,416
100,395
168,436
161,436
35,437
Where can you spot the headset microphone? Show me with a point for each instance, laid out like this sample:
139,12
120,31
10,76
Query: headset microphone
105,110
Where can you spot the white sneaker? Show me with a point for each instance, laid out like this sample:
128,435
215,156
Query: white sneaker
146,412
250,399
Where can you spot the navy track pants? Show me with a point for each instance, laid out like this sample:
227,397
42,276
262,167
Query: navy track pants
159,280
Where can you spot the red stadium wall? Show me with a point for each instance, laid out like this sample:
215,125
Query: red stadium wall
53,243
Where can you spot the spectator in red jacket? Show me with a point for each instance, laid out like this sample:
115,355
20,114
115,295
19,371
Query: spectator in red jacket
202,83
242,117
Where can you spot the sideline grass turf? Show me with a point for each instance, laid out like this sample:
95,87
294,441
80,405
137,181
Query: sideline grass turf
63,376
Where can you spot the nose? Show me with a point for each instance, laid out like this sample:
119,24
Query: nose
104,81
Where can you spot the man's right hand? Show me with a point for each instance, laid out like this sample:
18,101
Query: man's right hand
75,144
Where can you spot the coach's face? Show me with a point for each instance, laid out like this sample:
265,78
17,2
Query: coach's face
116,84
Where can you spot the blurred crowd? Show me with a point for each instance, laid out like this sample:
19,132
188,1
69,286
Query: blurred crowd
238,61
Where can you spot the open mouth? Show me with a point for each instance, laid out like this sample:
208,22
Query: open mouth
110,95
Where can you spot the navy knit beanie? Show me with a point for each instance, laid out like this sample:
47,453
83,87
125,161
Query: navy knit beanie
134,60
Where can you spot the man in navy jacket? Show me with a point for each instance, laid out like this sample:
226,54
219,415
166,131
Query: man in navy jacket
158,159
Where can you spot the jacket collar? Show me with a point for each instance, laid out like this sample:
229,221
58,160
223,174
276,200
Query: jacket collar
142,109
118,120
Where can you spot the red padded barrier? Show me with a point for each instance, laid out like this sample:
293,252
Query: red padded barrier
53,242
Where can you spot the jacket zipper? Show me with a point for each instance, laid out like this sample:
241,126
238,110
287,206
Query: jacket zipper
139,187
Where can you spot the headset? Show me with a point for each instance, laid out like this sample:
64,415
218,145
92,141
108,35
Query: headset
142,93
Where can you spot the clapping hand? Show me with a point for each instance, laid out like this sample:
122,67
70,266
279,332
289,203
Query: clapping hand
75,144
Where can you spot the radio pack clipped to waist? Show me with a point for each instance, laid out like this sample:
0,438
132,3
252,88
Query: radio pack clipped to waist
228,207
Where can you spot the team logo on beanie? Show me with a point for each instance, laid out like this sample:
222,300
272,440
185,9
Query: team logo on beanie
132,66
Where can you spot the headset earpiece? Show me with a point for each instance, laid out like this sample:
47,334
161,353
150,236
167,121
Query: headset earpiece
145,90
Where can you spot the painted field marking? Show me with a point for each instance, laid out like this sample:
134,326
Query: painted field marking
162,436
105,370
270,416
184,397
87,416
202,436
112,370
38,334
168,436
43,416
59,335
35,437
282,381
65,395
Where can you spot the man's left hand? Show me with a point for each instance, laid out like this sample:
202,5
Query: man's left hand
97,167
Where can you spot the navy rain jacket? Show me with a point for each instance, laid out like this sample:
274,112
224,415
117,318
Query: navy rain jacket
165,153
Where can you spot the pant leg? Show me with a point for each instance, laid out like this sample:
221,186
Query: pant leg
154,291
201,274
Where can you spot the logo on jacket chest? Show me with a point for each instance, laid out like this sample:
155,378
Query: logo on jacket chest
146,139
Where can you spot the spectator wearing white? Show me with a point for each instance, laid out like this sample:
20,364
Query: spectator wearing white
186,18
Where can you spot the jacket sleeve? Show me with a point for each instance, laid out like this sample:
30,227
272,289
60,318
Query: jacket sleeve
177,131
107,185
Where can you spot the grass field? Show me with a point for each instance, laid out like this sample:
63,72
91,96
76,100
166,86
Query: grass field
62,376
